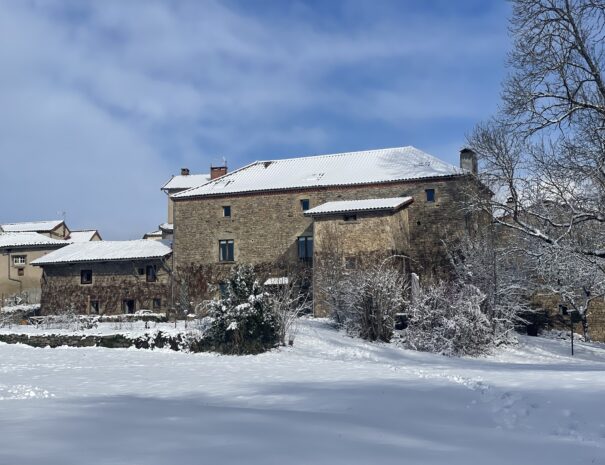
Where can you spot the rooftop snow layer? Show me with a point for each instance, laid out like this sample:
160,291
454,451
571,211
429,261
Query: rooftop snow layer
373,166
106,251
343,206
31,226
82,236
167,227
186,182
28,239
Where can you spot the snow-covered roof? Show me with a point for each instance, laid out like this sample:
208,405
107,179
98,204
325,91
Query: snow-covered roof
32,226
352,168
345,206
83,235
157,233
28,239
167,227
95,251
186,181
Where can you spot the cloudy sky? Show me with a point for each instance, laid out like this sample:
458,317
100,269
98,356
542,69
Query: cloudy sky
101,101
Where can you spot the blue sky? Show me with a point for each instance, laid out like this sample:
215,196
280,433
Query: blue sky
101,101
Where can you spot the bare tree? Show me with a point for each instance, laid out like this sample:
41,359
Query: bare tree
543,156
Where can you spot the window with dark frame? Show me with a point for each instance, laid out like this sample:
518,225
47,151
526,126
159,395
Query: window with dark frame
305,248
226,250
141,271
227,211
85,276
304,204
222,288
150,273
430,195
157,303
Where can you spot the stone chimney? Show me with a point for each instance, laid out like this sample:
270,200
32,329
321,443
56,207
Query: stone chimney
217,171
468,160
184,171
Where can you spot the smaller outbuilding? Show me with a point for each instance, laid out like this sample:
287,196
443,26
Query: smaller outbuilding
106,277
352,234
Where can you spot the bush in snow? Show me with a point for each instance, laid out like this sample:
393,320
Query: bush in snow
446,318
242,321
368,300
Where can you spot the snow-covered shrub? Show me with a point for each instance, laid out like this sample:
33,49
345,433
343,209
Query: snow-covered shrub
242,320
447,319
370,298
288,302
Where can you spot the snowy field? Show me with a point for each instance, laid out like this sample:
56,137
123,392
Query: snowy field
329,399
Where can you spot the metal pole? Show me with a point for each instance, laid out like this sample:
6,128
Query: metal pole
571,321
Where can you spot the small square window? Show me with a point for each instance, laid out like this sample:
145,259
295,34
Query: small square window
86,277
141,271
304,204
350,218
227,211
225,250
150,273
430,195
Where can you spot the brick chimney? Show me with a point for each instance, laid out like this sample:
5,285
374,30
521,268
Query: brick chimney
468,160
184,171
217,171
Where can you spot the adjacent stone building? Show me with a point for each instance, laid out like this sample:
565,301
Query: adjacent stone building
256,214
22,243
107,277
17,275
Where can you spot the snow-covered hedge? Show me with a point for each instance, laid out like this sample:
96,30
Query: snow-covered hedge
243,321
446,318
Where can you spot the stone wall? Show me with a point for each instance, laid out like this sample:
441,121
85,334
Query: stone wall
112,284
265,226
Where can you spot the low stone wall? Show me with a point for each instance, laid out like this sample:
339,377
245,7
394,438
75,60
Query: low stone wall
154,340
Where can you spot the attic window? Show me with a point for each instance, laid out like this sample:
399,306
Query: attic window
86,277
227,211
150,273
304,204
430,195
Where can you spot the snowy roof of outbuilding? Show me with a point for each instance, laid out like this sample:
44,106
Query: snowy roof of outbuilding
186,181
101,251
167,227
32,226
352,168
346,206
157,233
28,239
84,235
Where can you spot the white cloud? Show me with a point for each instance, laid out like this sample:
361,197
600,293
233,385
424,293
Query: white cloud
103,100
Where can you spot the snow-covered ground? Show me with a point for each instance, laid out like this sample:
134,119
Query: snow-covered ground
329,399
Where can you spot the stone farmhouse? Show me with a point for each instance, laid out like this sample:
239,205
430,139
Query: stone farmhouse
22,243
106,277
277,213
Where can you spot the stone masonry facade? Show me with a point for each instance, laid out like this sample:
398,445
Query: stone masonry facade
265,226
114,286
